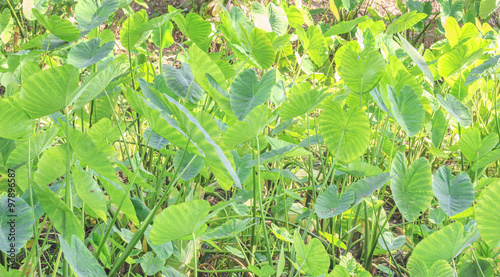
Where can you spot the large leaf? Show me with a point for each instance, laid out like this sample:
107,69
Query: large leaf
487,7
417,58
135,30
483,70
59,27
454,194
31,148
346,133
16,224
343,26
49,90
302,99
412,187
180,221
438,127
270,19
407,109
247,92
193,26
51,165
91,194
456,34
444,244
330,204
182,159
367,186
361,72
16,123
253,124
455,108
314,43
87,53
258,48
28,5
473,147
404,22
313,258
79,257
181,82
487,215
91,14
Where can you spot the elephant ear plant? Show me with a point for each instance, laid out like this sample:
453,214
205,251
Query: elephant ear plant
266,139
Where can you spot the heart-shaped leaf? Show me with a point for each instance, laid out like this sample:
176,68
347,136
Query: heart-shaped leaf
329,204
454,194
407,109
270,19
361,72
488,219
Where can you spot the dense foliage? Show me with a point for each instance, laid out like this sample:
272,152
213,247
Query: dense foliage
266,143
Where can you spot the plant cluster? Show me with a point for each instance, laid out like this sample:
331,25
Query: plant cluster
265,145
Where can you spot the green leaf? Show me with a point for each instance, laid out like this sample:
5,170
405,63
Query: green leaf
258,48
61,216
90,193
154,140
347,133
253,124
313,258
188,218
193,26
329,204
412,187
344,27
388,242
162,34
79,257
135,30
456,34
360,169
487,7
201,64
51,165
367,186
407,109
444,244
247,92
454,194
87,53
57,26
438,127
461,56
91,14
417,58
302,100
32,148
483,70
455,108
404,22
181,82
441,268
231,228
16,123
16,224
361,72
270,19
193,169
39,5
473,147
487,217
314,42
451,8
49,90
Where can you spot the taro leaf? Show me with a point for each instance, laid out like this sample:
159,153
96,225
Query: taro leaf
360,169
461,56
59,27
367,186
438,127
346,133
455,108
473,268
16,224
456,34
258,48
412,187
270,19
91,14
79,257
301,101
162,34
193,169
487,7
313,258
39,5
151,264
51,165
361,72
87,53
135,30
417,58
407,109
444,244
180,222
192,26
247,92
454,194
181,82
253,124
344,27
478,167
265,271
473,147
404,22
16,123
315,44
242,168
90,193
485,69
31,148
232,228
164,251
201,64
61,216
487,215
154,140
339,270
49,90
330,204
453,8
377,96
388,242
